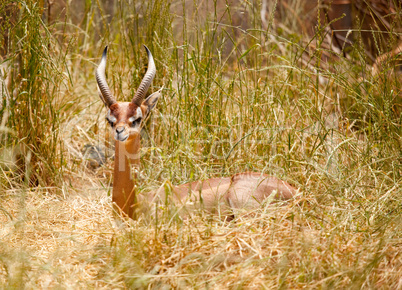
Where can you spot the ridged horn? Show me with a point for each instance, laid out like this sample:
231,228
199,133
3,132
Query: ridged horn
146,81
105,93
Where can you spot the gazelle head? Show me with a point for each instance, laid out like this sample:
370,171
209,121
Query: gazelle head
126,118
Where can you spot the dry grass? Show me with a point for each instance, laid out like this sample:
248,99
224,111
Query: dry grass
73,241
51,237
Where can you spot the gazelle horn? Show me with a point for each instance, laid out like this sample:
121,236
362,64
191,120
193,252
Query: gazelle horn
146,81
106,94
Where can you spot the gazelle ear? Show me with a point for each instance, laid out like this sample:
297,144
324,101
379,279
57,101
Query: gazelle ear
151,101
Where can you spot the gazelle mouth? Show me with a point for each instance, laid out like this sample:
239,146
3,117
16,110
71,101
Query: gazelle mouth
121,138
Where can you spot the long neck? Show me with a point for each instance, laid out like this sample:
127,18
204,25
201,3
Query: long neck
126,161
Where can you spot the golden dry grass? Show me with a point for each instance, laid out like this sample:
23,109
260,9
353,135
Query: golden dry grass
74,241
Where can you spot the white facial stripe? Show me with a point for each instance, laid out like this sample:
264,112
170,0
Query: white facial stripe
138,115
110,117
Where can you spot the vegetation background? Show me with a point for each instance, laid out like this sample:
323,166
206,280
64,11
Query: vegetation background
308,91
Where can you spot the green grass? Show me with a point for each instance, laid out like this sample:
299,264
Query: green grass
238,96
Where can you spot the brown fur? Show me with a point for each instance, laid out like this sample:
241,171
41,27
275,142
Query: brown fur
226,195
126,161
123,111
249,190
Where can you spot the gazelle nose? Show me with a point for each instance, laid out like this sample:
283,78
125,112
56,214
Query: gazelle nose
119,129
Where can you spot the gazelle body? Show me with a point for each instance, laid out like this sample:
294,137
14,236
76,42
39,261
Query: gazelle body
227,195
244,190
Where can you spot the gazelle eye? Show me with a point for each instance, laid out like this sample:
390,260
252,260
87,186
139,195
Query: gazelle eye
110,122
136,122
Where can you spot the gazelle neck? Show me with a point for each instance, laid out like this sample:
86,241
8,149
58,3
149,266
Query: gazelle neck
126,161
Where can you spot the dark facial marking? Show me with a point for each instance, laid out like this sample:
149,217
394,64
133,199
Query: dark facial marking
136,122
110,122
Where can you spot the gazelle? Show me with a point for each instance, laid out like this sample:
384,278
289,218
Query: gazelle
244,190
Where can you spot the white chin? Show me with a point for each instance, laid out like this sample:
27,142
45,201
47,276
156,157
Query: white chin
121,138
